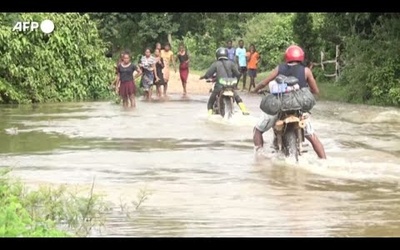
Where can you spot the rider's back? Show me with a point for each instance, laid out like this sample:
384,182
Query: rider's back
297,70
226,68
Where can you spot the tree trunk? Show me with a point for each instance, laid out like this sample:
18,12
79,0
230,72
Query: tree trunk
170,39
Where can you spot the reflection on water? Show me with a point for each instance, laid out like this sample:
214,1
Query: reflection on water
201,173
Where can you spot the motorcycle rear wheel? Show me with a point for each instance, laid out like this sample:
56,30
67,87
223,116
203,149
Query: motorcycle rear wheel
290,142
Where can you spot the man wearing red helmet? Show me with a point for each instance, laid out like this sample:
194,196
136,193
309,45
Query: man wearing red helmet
294,56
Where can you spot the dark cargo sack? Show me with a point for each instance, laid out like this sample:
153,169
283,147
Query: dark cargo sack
290,101
301,99
270,104
305,98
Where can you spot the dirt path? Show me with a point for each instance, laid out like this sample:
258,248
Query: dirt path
194,85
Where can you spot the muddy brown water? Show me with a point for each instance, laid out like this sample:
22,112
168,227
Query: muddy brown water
200,174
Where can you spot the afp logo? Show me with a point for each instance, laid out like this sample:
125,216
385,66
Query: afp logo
46,26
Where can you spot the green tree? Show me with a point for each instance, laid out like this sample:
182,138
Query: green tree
304,36
272,33
68,64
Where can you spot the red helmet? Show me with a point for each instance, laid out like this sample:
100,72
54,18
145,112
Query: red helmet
294,54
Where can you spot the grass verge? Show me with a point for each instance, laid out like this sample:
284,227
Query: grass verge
47,211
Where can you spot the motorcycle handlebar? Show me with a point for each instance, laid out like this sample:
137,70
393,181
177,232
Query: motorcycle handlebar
210,80
263,92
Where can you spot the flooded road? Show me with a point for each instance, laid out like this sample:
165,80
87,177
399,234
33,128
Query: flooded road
200,174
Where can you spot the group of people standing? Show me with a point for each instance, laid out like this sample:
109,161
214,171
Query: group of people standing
247,61
154,68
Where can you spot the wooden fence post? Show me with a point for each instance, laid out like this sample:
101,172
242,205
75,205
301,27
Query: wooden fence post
337,63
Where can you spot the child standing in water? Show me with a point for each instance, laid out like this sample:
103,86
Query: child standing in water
159,77
147,63
126,84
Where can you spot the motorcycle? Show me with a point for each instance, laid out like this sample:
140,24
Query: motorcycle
289,127
224,103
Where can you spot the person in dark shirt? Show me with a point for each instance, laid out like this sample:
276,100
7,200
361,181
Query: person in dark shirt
159,76
183,58
294,56
223,68
126,82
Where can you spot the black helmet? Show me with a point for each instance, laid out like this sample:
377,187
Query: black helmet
222,53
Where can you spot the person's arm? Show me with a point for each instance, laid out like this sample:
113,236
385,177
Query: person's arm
162,62
258,59
235,70
138,70
176,58
188,58
155,72
265,82
173,61
210,72
117,81
312,83
236,56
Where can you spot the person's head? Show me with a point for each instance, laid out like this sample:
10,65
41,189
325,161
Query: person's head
167,47
126,57
181,47
221,53
229,44
252,48
294,54
157,52
158,46
241,43
147,52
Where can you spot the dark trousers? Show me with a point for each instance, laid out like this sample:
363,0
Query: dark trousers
215,92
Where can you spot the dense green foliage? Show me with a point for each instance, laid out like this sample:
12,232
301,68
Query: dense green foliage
271,33
371,67
69,64
46,212
66,65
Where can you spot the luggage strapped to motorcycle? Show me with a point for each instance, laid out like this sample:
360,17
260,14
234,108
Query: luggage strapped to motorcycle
303,99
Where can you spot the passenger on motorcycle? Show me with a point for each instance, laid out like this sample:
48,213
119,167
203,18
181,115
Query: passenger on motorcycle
223,68
294,56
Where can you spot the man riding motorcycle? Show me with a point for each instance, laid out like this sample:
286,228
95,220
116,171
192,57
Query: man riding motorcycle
223,68
294,56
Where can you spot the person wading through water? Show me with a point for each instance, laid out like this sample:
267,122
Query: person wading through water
158,64
168,58
183,58
159,78
126,83
147,63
